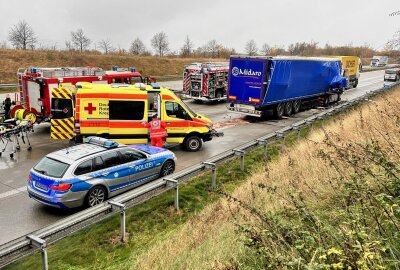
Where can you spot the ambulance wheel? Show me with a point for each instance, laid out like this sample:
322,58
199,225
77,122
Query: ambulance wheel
96,195
279,110
288,108
296,106
167,168
193,143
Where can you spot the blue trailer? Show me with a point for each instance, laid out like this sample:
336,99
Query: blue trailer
258,84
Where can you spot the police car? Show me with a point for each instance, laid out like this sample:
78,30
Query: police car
87,174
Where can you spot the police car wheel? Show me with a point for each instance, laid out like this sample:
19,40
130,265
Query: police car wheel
193,143
167,168
95,196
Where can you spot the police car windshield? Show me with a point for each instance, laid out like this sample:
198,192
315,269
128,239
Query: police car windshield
51,167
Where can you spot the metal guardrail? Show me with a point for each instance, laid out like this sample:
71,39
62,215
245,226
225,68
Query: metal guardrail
38,240
8,85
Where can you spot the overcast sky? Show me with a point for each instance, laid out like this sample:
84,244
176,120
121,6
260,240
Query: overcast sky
232,23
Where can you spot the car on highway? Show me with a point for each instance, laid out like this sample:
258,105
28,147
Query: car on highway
88,174
392,74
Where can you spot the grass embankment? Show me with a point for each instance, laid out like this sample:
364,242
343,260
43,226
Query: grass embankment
331,201
12,60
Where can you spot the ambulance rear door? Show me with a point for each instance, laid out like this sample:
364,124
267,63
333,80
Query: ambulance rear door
62,113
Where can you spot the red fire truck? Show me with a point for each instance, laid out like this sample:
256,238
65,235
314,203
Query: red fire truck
36,84
206,81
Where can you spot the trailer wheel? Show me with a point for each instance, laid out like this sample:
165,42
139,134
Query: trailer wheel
279,110
288,108
355,83
296,106
193,143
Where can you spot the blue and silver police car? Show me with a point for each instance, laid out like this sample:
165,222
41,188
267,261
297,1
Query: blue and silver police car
89,173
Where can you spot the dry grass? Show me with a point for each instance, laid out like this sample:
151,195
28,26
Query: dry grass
210,240
12,60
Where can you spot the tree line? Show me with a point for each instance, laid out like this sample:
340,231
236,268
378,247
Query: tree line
22,36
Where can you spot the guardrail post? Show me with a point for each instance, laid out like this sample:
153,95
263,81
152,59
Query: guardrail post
265,146
240,153
283,136
176,184
213,167
298,129
320,118
40,243
121,207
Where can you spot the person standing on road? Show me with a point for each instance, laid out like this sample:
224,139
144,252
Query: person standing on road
157,131
7,107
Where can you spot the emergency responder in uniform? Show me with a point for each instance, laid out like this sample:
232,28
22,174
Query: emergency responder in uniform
157,131
7,106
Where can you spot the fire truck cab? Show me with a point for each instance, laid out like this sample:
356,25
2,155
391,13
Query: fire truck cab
119,111
36,84
206,81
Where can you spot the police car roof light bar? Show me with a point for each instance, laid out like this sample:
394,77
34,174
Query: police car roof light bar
101,142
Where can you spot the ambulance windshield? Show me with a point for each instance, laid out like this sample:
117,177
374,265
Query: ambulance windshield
186,107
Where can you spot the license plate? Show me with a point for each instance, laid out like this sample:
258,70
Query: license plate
41,186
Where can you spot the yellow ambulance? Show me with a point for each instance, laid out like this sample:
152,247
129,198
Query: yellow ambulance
118,111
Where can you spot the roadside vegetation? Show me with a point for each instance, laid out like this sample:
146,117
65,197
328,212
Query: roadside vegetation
330,201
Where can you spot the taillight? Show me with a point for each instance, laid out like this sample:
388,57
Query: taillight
77,126
30,179
61,187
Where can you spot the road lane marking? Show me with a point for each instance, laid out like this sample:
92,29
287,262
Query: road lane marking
13,192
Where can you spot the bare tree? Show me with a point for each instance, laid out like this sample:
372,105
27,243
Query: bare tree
251,47
3,44
213,48
160,43
137,47
106,46
265,49
394,43
79,40
187,47
68,45
22,36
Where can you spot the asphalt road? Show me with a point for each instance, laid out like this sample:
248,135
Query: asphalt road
21,215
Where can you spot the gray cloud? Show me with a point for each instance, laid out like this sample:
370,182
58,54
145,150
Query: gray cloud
232,23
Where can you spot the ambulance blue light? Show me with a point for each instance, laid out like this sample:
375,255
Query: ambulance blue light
155,86
101,142
133,69
78,85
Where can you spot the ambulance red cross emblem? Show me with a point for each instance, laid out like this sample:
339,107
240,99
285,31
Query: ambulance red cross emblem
90,109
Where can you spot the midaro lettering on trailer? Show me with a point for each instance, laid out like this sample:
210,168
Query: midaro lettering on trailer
245,72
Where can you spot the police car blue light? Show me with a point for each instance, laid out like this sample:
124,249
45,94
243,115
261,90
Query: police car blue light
90,173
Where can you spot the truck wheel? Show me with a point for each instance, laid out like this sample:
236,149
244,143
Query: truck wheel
288,108
355,83
279,110
296,106
193,143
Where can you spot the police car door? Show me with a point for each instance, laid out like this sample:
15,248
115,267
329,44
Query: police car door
116,173
62,113
142,168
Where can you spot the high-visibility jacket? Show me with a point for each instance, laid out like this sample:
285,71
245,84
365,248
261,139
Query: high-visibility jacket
157,128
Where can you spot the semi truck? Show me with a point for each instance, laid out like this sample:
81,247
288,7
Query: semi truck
206,81
282,84
379,61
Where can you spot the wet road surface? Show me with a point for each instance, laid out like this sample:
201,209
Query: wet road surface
21,215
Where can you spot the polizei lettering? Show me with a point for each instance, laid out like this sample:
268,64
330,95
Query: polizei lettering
144,166
245,72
